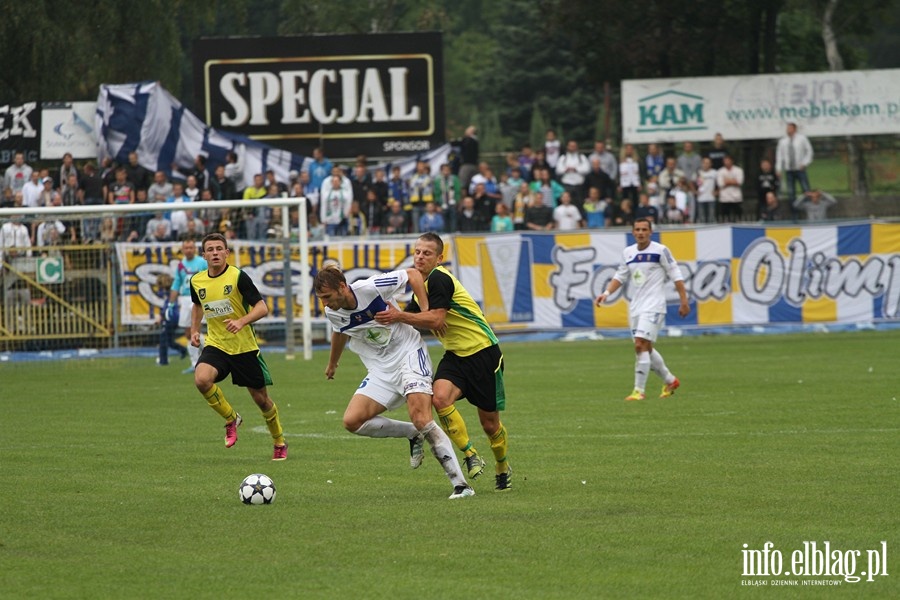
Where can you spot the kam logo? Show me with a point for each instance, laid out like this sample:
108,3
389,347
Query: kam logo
671,111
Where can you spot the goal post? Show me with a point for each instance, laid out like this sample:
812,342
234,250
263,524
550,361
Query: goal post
113,210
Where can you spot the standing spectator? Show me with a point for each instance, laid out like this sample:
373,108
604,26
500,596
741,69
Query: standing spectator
421,192
540,162
272,180
526,161
160,189
815,203
520,204
66,170
468,155
448,192
372,209
90,192
717,153
220,186
431,220
547,188
158,229
629,174
706,192
319,168
669,177
191,189
15,241
771,211
511,188
356,220
538,216
792,156
571,169
69,190
647,266
567,216
469,219
255,219
552,149
730,178
360,182
767,181
607,162
654,161
624,215
380,185
600,179
501,222
32,190
597,211
397,191
673,215
485,205
47,192
646,210
179,218
334,205
689,162
136,174
234,171
395,222
16,176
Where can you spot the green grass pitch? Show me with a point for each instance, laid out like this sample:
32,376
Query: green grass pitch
116,482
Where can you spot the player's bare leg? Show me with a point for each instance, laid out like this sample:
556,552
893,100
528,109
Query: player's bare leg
205,379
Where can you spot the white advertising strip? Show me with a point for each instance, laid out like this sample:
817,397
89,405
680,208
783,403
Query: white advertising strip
68,127
759,106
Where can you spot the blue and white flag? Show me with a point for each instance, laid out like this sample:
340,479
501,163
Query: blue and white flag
144,118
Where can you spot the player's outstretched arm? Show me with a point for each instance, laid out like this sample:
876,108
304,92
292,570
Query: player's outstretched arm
338,341
614,285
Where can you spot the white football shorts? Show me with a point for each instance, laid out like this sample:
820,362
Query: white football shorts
390,388
647,325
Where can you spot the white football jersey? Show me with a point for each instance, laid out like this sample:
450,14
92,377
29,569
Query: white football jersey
381,347
646,273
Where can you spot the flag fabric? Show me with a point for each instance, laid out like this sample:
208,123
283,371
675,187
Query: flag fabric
145,118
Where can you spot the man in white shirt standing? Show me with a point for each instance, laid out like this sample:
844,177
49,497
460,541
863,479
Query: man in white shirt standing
571,169
792,156
646,266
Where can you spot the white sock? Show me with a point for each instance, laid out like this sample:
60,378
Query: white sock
658,366
382,427
443,451
641,370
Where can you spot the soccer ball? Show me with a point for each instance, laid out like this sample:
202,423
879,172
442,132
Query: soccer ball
257,489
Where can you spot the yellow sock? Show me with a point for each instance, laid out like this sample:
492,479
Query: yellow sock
274,424
216,400
455,427
499,447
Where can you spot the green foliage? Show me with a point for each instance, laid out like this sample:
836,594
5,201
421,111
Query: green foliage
118,484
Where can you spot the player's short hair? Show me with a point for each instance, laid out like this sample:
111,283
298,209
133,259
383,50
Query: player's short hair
213,237
644,220
329,277
434,238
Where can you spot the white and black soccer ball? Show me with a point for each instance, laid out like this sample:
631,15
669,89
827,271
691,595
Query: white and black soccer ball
257,489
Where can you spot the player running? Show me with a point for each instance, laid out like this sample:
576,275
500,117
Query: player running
472,365
398,364
231,303
647,265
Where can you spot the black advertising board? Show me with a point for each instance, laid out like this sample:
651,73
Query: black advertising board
20,132
373,94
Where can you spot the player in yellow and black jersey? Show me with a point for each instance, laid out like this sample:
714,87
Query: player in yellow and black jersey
472,366
231,303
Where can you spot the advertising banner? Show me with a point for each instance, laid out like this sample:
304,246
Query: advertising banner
141,264
374,94
19,132
68,127
759,106
734,275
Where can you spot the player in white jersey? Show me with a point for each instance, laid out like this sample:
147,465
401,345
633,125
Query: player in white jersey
397,360
647,266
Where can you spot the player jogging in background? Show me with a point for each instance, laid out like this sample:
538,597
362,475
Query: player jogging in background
398,364
472,365
231,303
647,266
180,294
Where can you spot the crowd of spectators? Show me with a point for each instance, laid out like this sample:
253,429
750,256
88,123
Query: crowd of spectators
554,187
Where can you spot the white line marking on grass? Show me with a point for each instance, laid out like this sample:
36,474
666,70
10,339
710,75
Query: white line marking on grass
747,433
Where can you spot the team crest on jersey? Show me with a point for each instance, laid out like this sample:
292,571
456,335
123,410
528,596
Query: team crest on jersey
228,289
202,293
